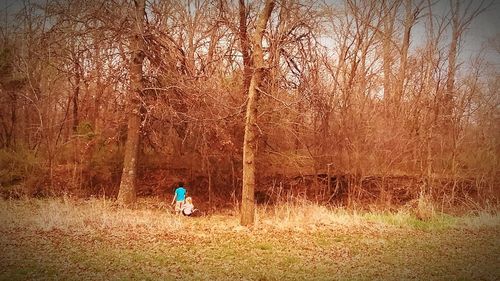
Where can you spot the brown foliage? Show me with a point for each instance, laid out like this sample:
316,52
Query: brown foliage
347,93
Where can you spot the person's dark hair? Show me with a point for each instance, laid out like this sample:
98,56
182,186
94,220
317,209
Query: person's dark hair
181,184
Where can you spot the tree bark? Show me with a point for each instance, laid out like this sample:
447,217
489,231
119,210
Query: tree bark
76,95
250,138
127,193
405,44
452,64
245,48
388,25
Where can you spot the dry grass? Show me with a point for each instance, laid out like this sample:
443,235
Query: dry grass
481,220
69,239
73,215
154,215
305,214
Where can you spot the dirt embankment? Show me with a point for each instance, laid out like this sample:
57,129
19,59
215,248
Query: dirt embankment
395,190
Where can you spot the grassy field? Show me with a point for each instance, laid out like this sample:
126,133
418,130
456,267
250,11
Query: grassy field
65,239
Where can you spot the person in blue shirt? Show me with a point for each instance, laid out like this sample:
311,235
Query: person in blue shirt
179,197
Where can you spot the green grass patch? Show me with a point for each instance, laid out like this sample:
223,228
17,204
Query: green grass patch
405,220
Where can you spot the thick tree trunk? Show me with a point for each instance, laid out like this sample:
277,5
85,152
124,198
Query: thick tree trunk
127,193
249,151
250,138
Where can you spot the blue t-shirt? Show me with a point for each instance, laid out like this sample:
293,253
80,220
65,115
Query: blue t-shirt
180,194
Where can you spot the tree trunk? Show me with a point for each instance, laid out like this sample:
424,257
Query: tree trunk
405,44
76,95
388,25
98,84
127,193
245,48
250,138
452,65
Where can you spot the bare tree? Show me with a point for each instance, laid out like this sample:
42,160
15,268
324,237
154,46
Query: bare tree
412,12
461,18
251,127
127,193
244,43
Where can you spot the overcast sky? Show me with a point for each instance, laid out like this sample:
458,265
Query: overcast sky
483,28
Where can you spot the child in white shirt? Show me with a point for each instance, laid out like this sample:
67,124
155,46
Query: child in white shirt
188,207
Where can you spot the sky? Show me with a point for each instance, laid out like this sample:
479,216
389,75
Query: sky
485,27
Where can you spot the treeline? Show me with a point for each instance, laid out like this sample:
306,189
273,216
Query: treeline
360,89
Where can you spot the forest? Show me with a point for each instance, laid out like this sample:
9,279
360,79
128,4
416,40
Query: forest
342,102
318,139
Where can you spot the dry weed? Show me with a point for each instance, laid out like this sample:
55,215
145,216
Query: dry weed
154,216
77,215
305,214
